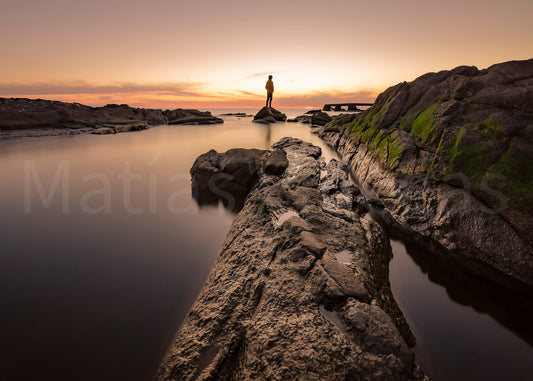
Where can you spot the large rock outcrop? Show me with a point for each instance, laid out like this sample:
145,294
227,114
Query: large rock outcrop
21,113
451,156
300,288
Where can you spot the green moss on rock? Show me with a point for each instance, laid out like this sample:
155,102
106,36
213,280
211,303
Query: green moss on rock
395,152
424,127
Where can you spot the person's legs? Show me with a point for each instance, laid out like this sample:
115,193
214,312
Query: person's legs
269,100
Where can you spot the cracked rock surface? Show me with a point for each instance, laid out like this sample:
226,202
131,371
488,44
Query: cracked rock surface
278,304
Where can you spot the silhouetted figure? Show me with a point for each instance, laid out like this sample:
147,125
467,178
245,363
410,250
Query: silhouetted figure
270,90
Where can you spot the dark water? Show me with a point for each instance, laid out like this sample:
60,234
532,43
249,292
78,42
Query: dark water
467,328
94,285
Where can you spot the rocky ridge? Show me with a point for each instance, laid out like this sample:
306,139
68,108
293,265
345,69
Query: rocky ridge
300,288
450,156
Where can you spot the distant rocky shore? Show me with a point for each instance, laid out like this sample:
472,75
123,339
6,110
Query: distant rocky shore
22,114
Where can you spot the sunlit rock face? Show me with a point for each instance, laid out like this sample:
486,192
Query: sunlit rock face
278,304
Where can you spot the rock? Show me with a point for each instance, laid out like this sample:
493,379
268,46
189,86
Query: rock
189,116
194,120
104,131
276,163
129,127
278,305
317,117
238,114
306,119
269,115
450,156
226,177
21,113
320,118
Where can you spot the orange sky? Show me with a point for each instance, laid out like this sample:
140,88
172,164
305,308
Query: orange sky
207,53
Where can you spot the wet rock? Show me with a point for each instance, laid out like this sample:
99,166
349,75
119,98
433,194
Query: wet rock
261,313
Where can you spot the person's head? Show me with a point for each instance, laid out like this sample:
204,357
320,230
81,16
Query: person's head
269,77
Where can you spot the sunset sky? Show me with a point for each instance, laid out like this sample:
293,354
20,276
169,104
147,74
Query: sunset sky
212,53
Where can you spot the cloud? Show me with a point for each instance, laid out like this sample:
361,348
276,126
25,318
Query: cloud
247,93
175,94
257,75
188,89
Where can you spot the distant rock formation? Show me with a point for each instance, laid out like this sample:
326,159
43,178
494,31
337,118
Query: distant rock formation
450,155
21,113
269,115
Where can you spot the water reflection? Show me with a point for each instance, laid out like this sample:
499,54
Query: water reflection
97,291
462,322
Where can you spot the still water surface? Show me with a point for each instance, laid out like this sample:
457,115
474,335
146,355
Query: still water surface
94,285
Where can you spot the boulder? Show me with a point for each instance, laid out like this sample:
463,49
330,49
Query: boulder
226,177
317,118
320,118
269,115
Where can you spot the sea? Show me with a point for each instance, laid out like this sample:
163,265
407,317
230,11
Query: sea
104,250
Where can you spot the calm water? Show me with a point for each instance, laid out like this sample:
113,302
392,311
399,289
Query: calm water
103,251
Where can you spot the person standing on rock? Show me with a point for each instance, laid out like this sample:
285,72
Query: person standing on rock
270,90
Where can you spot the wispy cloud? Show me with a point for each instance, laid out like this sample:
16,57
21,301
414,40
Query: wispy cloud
257,75
188,89
248,93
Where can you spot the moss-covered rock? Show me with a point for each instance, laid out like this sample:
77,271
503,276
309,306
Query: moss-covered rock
462,123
